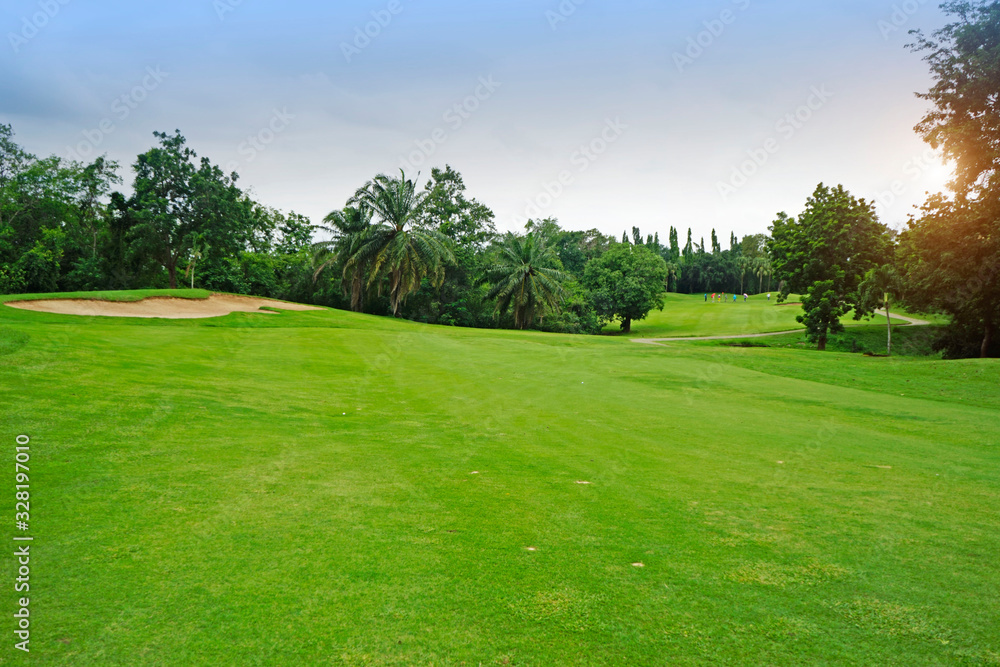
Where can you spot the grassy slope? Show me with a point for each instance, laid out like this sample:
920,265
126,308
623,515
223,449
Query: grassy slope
866,338
685,315
130,295
200,497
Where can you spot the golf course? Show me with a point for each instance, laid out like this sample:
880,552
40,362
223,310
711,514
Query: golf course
291,487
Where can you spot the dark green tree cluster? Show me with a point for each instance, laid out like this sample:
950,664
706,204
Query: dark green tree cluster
948,258
54,231
950,253
63,227
434,255
744,267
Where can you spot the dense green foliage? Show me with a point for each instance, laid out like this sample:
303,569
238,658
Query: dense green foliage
626,282
826,252
62,227
951,252
881,287
525,279
823,308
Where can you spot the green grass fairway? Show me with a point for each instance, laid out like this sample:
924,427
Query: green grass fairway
324,488
689,315
867,338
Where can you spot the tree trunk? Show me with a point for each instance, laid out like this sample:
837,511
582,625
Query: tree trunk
172,272
357,292
987,340
627,325
395,288
888,323
821,344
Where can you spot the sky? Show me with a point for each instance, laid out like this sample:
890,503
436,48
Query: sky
608,115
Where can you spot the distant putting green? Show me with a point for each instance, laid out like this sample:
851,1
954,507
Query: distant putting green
689,316
329,488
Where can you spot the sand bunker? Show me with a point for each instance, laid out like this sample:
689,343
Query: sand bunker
216,305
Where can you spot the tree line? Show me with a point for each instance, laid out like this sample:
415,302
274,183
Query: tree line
433,253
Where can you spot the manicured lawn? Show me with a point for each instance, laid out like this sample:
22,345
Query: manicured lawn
298,489
687,315
859,339
130,295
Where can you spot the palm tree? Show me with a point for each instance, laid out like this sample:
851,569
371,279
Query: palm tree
744,264
762,267
349,229
525,279
880,283
395,248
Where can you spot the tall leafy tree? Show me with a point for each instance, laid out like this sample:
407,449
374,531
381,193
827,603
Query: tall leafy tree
626,283
951,255
178,198
835,241
445,207
51,219
951,251
823,306
964,121
675,248
396,248
527,279
164,204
